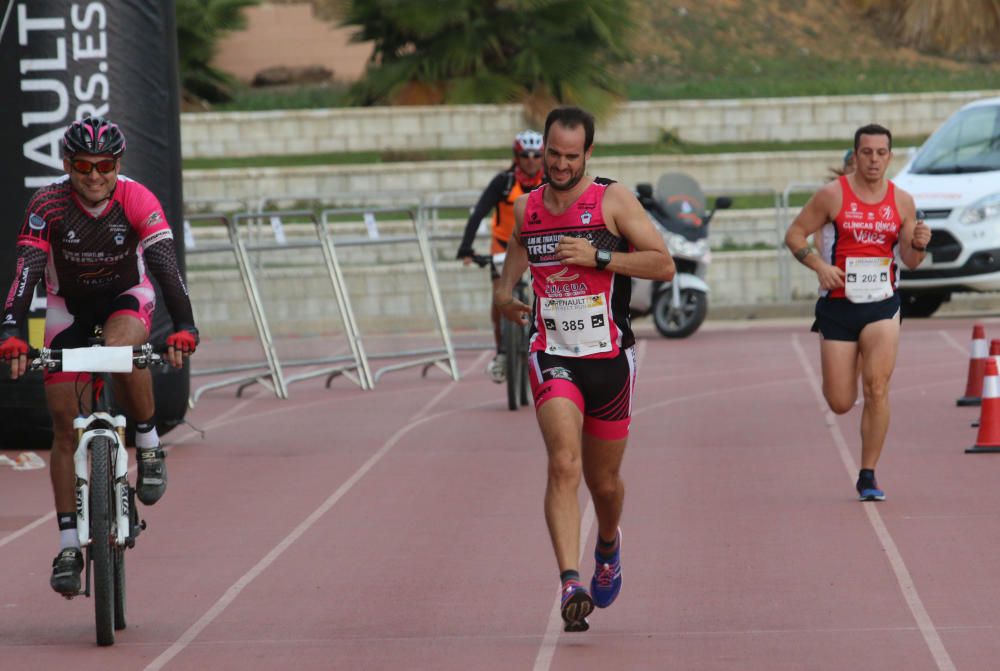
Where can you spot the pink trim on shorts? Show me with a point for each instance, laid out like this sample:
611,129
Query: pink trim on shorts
146,295
556,389
57,320
605,430
145,319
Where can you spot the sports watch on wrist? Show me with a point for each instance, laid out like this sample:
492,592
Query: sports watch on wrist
602,257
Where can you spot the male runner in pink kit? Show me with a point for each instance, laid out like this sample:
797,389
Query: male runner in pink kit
863,221
96,236
583,238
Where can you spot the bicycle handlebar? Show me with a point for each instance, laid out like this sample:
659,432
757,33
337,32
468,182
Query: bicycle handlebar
96,359
483,260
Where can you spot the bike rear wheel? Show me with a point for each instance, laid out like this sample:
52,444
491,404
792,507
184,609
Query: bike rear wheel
525,387
512,346
101,550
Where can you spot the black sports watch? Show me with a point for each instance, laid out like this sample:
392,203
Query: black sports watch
602,257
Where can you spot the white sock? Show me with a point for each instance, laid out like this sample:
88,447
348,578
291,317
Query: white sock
147,439
68,538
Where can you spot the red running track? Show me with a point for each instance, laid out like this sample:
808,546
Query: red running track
403,528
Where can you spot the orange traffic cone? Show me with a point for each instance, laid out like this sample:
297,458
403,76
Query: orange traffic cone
977,368
995,355
988,439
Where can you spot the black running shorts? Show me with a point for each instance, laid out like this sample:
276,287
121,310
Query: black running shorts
840,319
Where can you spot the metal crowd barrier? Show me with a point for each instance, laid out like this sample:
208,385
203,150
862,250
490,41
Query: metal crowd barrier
428,215
442,357
273,378
353,367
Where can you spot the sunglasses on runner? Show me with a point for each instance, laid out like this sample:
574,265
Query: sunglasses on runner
530,154
86,167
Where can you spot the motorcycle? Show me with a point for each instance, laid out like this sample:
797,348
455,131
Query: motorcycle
677,208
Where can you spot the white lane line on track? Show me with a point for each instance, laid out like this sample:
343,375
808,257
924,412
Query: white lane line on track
26,528
736,389
224,419
903,577
418,419
954,343
218,421
547,650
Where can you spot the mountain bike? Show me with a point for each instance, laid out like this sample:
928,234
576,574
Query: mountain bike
513,339
107,520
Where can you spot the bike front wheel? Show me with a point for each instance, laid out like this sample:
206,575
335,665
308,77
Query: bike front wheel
102,512
118,559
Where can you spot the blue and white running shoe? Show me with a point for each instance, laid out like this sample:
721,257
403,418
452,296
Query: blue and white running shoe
607,580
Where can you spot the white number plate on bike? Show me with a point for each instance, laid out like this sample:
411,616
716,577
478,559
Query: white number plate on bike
97,360
576,326
867,279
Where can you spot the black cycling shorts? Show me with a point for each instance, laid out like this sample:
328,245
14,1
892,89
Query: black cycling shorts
840,319
601,388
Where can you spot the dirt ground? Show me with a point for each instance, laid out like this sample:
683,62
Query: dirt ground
290,35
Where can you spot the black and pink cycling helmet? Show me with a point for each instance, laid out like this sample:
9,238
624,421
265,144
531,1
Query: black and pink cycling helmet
93,135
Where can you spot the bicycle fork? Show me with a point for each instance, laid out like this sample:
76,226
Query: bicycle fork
81,460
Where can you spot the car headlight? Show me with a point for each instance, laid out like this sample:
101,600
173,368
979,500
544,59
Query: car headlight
981,210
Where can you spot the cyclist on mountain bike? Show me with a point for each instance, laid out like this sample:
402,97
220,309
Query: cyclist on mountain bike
94,234
524,174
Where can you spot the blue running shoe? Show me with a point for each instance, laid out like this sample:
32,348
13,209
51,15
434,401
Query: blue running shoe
868,490
576,606
607,580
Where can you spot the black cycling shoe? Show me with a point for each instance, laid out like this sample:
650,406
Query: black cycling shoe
66,568
152,480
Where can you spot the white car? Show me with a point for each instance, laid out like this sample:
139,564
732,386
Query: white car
955,180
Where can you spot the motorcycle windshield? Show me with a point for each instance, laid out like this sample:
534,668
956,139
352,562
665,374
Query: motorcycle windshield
682,200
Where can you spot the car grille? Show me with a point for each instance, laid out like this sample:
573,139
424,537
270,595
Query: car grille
936,214
943,246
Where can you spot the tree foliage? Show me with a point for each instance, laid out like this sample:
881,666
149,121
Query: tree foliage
538,52
968,29
200,24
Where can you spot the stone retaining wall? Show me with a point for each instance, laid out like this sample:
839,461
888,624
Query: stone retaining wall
215,134
767,172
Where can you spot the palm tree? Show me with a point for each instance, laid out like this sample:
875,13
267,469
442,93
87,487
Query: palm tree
960,28
538,52
200,24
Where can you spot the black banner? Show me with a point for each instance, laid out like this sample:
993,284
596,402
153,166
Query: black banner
61,61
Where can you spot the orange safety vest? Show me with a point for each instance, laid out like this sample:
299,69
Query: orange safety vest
503,214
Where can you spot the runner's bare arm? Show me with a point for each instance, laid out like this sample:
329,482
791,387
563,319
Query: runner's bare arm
624,216
820,209
913,235
514,265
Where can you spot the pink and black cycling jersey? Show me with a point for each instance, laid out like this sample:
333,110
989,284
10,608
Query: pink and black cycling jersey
579,312
91,258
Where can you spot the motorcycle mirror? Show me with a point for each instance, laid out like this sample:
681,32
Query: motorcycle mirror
723,203
644,190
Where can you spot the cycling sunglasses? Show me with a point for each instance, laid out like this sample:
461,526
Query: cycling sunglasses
530,154
86,167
